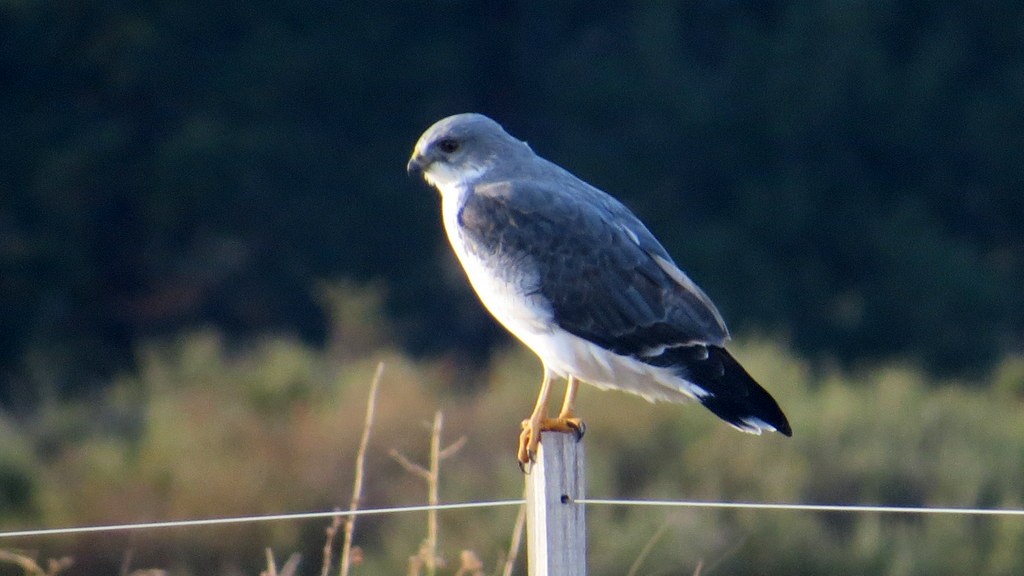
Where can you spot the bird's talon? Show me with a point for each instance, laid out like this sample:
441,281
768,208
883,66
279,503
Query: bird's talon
578,427
566,423
530,437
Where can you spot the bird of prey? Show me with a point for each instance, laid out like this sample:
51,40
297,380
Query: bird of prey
576,277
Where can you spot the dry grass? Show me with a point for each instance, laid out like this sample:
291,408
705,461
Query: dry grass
516,543
206,430
428,555
31,567
290,568
346,558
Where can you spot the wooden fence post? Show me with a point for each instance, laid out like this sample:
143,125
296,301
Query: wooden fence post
556,531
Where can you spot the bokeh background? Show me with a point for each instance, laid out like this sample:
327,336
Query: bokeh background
207,240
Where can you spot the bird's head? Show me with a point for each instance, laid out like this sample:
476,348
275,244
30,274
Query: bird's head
460,148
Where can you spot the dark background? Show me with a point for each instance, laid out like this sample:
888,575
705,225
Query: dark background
848,177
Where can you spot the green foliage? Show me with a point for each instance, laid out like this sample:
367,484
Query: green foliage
204,429
18,490
849,174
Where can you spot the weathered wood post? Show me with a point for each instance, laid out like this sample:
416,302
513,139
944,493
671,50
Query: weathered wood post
556,539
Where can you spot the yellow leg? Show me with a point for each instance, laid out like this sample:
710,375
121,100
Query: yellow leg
567,420
570,396
529,438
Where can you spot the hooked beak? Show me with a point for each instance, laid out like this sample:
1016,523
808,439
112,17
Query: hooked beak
417,164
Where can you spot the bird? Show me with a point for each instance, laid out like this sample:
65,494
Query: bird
575,276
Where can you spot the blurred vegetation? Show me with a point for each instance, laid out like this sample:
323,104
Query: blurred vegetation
204,428
849,175
183,185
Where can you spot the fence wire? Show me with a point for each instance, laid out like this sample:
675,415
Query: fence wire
694,504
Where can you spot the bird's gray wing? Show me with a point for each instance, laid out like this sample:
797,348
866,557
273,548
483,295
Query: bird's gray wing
604,278
603,274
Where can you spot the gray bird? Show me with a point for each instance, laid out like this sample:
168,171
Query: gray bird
576,277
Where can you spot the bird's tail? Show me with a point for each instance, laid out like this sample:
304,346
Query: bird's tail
729,392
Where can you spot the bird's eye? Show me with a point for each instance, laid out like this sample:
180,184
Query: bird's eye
448,145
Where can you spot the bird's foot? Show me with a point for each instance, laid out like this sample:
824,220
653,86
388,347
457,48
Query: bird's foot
529,438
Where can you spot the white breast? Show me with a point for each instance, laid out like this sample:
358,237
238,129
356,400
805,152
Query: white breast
522,316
